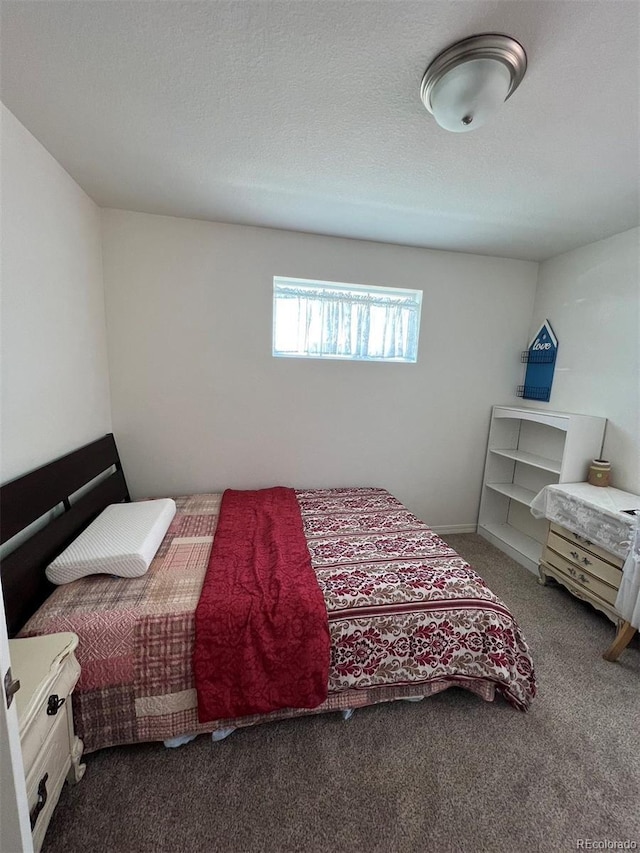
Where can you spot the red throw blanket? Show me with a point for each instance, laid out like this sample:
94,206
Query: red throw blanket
262,635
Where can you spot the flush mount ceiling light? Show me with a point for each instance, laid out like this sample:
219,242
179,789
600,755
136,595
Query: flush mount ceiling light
470,80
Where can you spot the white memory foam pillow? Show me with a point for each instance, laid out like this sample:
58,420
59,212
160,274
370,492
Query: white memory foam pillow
121,541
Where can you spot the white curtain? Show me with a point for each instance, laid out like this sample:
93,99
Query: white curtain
339,321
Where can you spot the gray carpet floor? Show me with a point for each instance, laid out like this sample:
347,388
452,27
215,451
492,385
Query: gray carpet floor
451,773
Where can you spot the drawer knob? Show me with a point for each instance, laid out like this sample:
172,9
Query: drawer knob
54,704
41,801
586,561
575,555
11,687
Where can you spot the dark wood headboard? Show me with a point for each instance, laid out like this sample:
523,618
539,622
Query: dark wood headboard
28,498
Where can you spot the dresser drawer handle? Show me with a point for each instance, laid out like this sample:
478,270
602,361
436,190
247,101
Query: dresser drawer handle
586,562
582,578
574,554
54,704
41,801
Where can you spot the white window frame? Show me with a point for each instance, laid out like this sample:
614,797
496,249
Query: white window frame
405,325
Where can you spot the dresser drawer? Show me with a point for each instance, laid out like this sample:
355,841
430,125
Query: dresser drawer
40,719
46,777
587,545
581,577
585,560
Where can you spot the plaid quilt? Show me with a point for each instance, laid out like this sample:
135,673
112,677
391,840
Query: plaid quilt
407,616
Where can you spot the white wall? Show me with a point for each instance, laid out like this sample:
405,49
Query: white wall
55,385
200,404
592,298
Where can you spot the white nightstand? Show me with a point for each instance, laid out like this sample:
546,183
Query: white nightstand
48,671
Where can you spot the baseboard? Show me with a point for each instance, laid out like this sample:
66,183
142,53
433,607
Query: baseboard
455,528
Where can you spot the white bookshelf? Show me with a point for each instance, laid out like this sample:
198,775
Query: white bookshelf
527,450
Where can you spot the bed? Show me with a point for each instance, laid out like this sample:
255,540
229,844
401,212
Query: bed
407,616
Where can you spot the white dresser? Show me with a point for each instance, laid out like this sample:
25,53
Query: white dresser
590,537
48,671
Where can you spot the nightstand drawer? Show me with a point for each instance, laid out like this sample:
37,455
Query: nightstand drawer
585,560
47,776
53,703
580,577
48,671
587,545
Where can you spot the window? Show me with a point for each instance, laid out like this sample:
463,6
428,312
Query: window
323,319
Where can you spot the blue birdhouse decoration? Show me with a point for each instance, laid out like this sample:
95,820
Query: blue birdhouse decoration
540,359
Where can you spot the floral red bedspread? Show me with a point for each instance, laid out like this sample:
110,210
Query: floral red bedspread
403,607
407,617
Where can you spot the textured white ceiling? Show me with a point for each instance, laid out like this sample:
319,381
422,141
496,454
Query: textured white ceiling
306,115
